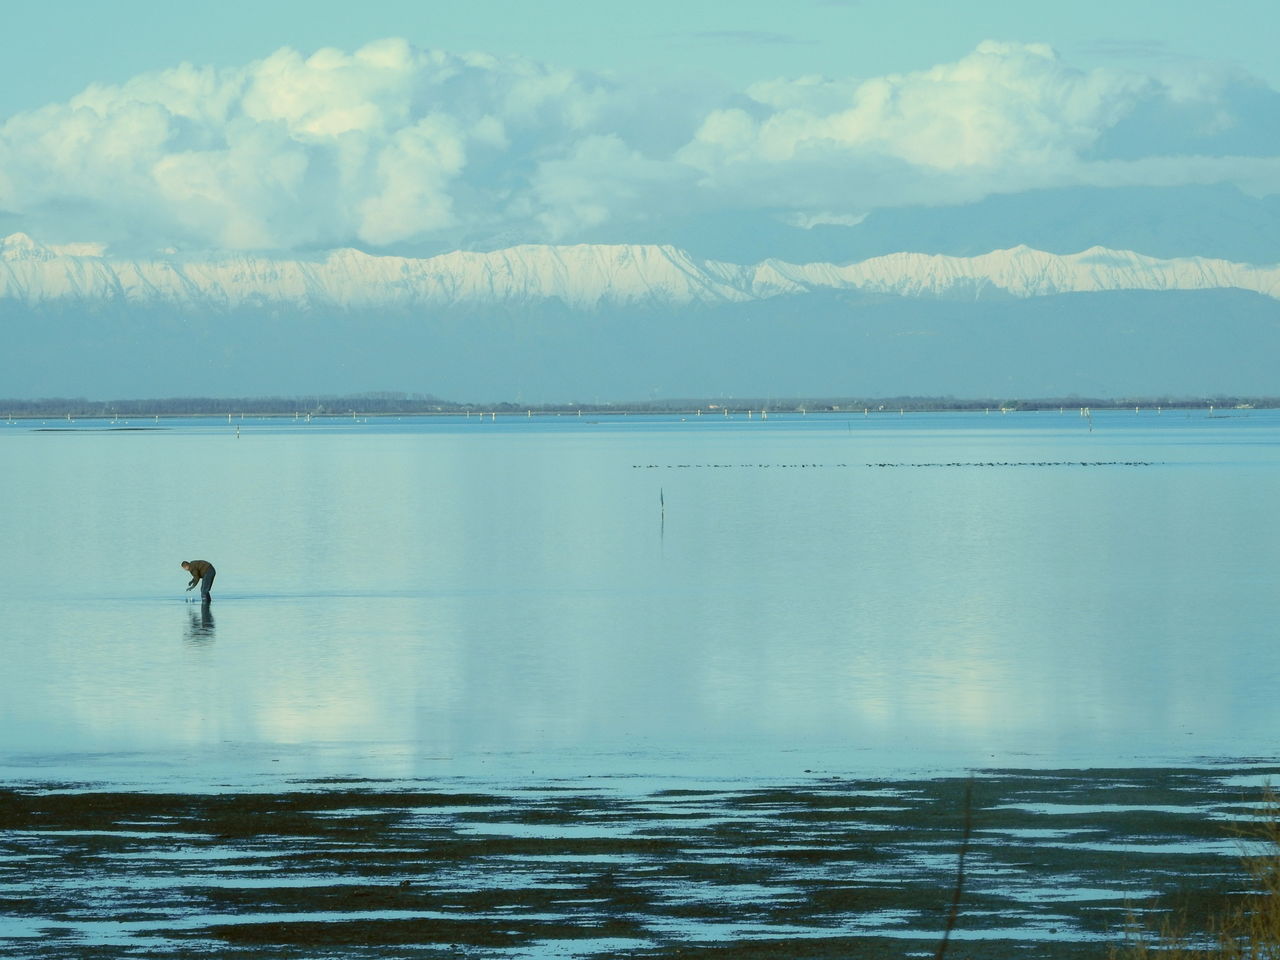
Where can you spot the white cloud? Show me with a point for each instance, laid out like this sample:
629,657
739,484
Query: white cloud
807,221
412,178
384,145
392,145
601,181
1007,117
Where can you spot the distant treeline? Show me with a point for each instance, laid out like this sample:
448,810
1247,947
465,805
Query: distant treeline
390,403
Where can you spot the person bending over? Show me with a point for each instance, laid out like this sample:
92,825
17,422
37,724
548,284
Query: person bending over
202,572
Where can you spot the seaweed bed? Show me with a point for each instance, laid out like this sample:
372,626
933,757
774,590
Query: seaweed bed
1057,865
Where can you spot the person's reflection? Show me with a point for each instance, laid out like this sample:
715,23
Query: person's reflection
200,628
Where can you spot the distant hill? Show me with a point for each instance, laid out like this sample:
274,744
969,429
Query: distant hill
625,322
829,342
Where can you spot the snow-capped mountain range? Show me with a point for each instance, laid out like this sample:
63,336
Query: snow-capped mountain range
584,276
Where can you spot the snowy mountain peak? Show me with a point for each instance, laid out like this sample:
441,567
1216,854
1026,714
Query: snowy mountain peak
18,247
585,276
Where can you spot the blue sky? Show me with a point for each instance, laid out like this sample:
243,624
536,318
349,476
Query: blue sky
583,117
53,50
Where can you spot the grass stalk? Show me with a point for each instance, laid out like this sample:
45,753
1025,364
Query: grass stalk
1249,928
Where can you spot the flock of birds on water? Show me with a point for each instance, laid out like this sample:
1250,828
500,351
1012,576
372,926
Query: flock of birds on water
954,463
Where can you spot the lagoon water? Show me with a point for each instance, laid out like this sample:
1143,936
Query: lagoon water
630,595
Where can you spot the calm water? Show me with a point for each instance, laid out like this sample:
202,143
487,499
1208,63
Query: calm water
563,596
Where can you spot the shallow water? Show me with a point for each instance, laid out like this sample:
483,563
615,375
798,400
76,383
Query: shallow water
643,596
830,868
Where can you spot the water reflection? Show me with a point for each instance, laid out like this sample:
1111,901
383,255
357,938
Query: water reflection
199,629
527,606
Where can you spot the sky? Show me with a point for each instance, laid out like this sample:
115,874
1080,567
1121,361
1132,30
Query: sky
399,125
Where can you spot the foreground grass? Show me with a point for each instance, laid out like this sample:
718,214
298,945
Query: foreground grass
1248,928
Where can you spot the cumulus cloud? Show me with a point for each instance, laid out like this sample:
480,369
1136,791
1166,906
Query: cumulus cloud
385,145
391,146
1005,118
601,176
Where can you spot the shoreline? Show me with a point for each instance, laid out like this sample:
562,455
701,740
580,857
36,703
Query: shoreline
827,867
344,407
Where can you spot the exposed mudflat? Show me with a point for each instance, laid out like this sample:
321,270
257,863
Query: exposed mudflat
1057,865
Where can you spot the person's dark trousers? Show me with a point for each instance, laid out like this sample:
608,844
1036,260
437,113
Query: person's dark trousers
205,584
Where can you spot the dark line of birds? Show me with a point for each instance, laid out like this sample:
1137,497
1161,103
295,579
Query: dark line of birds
956,463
